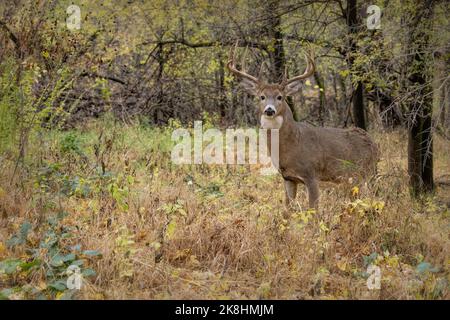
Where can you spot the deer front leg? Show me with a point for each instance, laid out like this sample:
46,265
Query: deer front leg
313,193
290,188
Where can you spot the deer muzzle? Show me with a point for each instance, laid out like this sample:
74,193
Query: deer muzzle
270,110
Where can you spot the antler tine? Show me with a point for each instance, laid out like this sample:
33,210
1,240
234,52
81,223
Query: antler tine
285,74
261,69
232,55
310,68
231,65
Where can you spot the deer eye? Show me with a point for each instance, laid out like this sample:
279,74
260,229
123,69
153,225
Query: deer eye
279,97
262,97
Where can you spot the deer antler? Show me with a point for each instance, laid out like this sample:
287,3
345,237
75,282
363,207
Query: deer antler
310,67
231,65
261,69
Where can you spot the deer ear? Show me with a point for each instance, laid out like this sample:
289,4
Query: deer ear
250,86
293,88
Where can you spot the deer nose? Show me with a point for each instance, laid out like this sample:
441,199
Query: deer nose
269,110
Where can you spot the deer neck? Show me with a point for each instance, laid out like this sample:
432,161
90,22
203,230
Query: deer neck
288,131
289,123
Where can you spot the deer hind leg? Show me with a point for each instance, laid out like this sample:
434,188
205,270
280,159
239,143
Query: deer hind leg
313,193
290,188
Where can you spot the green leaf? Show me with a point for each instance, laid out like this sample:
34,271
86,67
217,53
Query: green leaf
57,260
49,240
78,262
26,266
10,266
423,267
21,237
68,257
88,272
76,247
13,241
5,293
24,229
59,285
67,295
49,273
91,253
370,259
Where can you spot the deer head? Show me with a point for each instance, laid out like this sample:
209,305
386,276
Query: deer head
272,96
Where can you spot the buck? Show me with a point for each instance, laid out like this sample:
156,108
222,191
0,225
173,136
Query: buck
307,154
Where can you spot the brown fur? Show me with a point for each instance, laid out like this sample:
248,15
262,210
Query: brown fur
309,154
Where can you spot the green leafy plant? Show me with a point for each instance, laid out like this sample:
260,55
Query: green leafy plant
50,259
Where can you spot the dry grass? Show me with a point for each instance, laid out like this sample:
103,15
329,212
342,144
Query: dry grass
213,232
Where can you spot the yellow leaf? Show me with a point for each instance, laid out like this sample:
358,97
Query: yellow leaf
344,73
269,257
180,254
378,206
156,245
308,83
342,264
194,261
182,212
323,227
42,285
355,191
2,249
171,229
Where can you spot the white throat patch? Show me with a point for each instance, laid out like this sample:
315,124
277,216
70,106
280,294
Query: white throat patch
270,106
271,123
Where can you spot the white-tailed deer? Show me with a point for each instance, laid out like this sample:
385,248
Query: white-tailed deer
307,154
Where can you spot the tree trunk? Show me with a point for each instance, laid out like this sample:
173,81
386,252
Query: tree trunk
442,90
159,97
220,84
358,90
420,154
420,142
320,83
343,101
359,118
278,57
